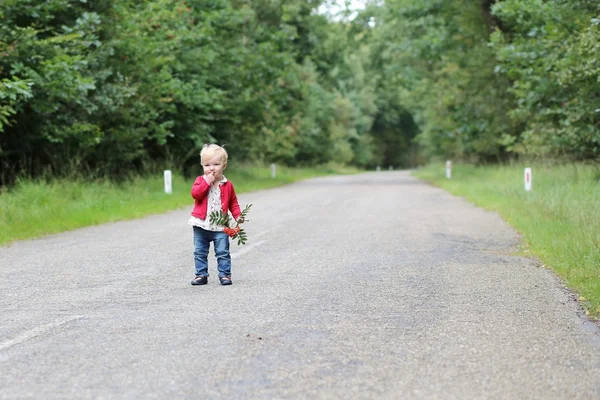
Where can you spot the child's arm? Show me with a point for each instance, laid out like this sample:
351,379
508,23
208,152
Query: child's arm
234,207
200,188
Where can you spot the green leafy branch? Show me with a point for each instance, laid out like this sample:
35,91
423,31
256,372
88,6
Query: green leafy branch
224,219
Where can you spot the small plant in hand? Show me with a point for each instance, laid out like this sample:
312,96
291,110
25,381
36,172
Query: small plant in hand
231,226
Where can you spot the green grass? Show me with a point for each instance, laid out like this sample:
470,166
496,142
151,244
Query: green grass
32,209
559,218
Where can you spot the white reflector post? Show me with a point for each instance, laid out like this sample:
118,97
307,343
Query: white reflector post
273,171
168,186
448,169
527,179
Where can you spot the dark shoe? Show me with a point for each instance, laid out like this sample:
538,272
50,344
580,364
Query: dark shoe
200,280
225,280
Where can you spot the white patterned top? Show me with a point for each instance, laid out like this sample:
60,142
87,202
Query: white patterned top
214,204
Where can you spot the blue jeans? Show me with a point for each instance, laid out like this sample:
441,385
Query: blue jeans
202,239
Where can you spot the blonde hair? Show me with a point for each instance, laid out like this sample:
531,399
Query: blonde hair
212,150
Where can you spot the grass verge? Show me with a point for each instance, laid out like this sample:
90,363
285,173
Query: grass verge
32,209
559,218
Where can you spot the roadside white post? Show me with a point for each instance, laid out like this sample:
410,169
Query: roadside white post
527,178
168,186
448,169
273,172
391,168
378,168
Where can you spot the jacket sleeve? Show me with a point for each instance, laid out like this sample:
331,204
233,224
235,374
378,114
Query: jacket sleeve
234,207
200,188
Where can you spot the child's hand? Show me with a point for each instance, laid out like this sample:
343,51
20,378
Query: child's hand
240,220
210,178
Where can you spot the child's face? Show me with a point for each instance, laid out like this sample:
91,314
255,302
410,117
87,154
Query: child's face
214,165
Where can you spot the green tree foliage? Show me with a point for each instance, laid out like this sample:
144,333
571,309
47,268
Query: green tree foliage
435,54
110,86
549,52
484,80
46,48
115,85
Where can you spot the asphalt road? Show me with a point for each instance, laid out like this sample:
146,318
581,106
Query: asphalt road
373,286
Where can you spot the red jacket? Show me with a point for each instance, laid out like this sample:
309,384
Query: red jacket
229,201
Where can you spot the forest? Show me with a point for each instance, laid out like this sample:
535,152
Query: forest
104,87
